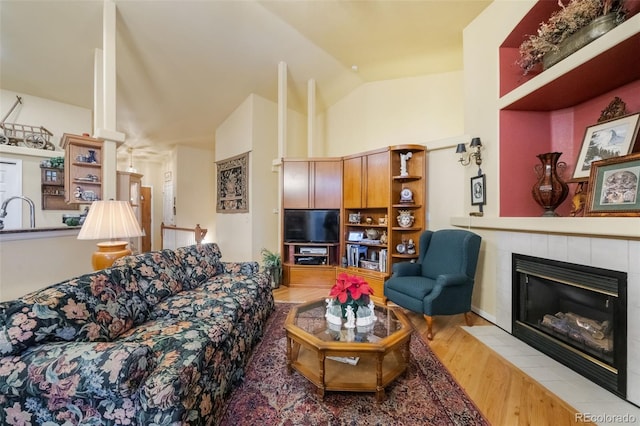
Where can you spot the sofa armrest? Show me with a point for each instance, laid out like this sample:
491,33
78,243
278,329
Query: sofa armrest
71,370
406,269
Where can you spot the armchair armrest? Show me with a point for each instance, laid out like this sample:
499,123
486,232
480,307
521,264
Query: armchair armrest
452,280
406,269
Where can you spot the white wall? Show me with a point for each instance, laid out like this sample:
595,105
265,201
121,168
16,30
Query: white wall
56,117
413,110
481,38
30,264
251,127
195,189
425,110
234,137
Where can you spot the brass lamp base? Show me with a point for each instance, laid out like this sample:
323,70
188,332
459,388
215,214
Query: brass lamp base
107,253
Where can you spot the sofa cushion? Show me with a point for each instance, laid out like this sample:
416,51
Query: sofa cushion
201,262
159,274
62,371
182,348
98,306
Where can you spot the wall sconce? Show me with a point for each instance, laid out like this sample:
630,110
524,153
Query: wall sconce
462,150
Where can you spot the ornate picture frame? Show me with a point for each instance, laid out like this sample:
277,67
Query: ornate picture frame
608,139
233,184
478,191
614,187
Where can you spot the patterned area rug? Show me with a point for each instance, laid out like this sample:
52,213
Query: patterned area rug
426,394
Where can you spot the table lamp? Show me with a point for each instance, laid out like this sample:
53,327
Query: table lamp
113,220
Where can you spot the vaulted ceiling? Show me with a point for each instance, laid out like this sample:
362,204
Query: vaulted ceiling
184,66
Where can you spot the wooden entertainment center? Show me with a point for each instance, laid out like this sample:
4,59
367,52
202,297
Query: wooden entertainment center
370,190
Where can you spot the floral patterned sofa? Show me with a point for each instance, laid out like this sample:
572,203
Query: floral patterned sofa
160,338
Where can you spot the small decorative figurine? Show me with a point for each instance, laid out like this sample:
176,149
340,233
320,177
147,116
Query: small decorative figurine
383,237
403,163
351,318
411,247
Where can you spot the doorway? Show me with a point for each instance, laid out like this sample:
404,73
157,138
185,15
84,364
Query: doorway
11,185
145,217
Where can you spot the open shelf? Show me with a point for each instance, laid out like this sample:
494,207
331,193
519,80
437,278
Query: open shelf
550,111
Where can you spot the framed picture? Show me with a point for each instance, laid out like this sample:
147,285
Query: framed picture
355,236
478,194
614,187
613,138
233,187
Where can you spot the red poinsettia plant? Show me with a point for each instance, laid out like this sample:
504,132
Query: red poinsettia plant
351,289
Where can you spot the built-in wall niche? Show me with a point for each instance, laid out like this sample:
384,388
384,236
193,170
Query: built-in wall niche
550,110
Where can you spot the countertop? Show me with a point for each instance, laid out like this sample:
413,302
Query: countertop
33,233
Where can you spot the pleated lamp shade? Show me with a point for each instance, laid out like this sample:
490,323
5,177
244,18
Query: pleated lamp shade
111,220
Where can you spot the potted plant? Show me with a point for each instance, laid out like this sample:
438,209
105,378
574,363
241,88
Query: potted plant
272,264
571,20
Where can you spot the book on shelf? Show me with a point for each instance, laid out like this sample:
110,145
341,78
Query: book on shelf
382,259
355,252
352,360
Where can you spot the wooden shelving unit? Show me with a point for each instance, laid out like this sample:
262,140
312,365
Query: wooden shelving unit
83,169
310,184
374,188
53,192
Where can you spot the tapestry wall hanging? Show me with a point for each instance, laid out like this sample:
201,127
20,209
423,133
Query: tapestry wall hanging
233,189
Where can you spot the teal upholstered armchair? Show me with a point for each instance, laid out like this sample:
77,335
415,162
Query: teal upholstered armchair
441,281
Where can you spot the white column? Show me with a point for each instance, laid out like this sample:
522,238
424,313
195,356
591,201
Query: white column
282,109
98,84
311,118
105,100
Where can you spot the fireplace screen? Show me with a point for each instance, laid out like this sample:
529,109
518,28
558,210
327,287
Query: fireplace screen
578,317
575,314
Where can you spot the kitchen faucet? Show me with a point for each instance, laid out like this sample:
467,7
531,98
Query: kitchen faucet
32,210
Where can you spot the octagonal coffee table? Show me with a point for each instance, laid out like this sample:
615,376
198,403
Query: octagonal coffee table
333,358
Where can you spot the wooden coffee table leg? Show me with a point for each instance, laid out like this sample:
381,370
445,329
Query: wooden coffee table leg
407,353
321,372
289,355
379,387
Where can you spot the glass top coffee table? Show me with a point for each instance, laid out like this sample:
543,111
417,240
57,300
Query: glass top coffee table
333,358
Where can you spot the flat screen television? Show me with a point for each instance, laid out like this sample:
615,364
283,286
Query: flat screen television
312,226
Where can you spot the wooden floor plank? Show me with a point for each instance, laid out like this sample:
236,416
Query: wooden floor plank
504,394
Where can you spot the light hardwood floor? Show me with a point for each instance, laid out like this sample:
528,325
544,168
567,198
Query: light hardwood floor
504,394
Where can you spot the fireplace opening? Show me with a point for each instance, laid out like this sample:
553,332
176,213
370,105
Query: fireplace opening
575,314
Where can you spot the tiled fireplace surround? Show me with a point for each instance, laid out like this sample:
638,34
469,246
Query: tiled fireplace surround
616,254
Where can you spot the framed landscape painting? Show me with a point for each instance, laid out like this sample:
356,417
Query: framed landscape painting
610,139
614,187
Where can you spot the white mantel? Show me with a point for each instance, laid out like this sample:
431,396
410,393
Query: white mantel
606,227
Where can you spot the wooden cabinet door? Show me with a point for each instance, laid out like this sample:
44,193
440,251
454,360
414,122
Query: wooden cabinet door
327,184
377,183
295,185
352,182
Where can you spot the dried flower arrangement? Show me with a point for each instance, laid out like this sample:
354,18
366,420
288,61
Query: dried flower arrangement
563,23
